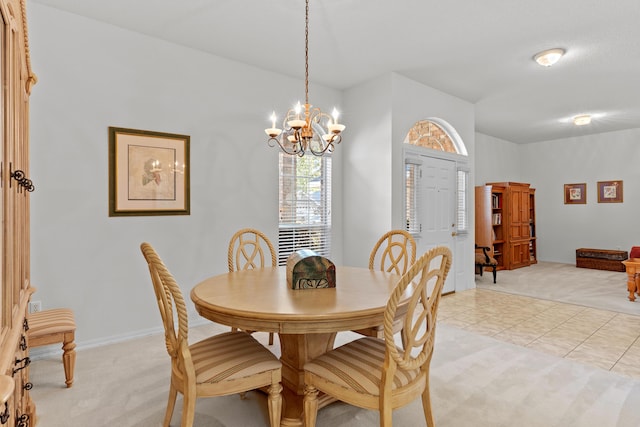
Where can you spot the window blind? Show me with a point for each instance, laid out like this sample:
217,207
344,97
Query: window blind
413,175
305,205
462,208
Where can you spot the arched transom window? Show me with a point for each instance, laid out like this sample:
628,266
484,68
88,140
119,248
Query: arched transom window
428,134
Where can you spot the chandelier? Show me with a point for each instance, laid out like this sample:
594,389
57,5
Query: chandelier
305,128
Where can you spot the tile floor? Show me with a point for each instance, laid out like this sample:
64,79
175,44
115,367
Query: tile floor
605,339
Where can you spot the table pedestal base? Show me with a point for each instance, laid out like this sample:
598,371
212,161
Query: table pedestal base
296,350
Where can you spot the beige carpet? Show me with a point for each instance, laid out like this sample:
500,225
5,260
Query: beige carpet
476,381
601,289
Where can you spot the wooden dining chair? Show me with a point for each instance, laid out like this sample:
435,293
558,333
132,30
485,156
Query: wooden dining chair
374,373
247,249
394,252
228,363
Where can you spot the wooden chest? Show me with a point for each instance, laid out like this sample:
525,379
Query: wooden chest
601,259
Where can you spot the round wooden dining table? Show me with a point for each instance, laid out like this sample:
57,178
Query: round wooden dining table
306,320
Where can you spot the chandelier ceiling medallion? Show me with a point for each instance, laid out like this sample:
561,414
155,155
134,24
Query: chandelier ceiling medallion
308,130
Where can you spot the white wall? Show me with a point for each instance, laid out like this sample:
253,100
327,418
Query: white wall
561,228
547,166
382,111
497,160
92,76
367,168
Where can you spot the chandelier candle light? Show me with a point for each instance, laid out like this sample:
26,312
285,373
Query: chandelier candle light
303,130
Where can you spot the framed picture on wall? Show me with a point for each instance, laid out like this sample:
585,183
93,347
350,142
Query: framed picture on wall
575,194
148,173
609,191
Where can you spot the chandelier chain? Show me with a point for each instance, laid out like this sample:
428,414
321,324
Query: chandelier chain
306,54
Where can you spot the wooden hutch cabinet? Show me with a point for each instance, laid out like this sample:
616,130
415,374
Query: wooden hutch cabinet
16,406
505,222
488,225
533,250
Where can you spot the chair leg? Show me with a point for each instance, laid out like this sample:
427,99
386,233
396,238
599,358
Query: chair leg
386,414
310,404
275,404
494,274
173,394
270,338
188,410
426,404
69,356
481,268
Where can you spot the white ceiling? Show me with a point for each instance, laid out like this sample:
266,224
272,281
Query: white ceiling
480,51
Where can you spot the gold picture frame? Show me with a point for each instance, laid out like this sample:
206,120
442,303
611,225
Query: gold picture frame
609,191
575,194
148,173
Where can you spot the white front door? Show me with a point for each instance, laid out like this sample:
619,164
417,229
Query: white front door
438,210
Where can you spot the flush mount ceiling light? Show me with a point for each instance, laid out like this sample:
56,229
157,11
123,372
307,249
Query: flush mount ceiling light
547,58
582,120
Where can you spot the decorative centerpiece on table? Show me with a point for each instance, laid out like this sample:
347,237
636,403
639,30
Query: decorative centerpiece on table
308,270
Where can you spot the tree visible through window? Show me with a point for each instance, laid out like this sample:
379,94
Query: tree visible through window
426,133
305,205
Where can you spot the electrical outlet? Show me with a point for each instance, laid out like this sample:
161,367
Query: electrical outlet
35,306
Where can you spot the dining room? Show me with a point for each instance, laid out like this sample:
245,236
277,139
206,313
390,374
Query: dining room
85,259
235,184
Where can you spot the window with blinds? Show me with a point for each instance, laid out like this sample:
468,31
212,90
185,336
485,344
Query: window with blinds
413,175
462,192
305,205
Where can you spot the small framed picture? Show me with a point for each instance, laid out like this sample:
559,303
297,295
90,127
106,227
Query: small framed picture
148,173
609,191
575,194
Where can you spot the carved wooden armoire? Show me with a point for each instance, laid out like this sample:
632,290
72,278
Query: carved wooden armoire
16,406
